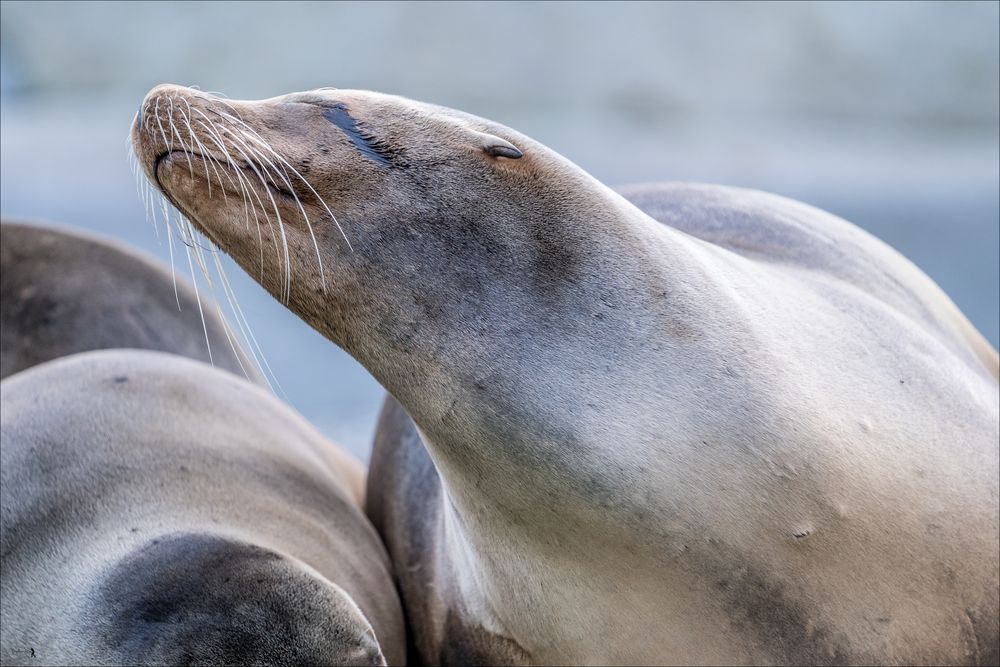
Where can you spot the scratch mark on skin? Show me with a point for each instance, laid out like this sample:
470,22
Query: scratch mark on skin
366,144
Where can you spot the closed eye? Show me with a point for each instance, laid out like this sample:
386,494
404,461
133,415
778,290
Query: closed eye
369,146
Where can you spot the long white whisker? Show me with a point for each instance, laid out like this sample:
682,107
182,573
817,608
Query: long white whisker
225,322
247,188
141,184
259,359
195,141
259,139
168,142
243,182
206,153
215,161
224,102
199,250
147,189
298,202
170,245
219,143
217,153
197,296
244,185
180,140
287,288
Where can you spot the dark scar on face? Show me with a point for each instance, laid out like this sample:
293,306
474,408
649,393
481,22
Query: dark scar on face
368,145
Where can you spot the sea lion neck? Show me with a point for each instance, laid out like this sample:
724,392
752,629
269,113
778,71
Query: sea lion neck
481,351
416,302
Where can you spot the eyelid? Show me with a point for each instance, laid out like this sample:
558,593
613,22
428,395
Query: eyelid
495,146
504,150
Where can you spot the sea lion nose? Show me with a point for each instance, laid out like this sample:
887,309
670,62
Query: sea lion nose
166,92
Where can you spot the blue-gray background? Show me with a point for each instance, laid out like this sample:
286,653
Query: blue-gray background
886,114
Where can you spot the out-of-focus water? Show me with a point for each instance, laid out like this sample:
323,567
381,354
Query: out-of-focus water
886,114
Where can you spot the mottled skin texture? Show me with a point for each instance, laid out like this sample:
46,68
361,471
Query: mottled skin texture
64,291
158,511
753,434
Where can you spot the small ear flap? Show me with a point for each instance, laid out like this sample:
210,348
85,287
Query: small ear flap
497,147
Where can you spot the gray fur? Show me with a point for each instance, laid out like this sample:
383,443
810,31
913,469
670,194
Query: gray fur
158,511
63,291
753,434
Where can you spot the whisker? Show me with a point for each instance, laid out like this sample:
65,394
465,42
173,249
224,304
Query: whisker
267,146
196,141
259,140
248,187
216,165
227,146
199,249
305,216
156,112
170,245
260,360
147,190
141,183
180,140
244,185
197,296
287,288
220,143
225,323
224,101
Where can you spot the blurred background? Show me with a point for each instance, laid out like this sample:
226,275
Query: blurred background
886,114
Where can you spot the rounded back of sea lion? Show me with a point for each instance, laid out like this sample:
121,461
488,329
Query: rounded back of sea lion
63,291
157,510
774,229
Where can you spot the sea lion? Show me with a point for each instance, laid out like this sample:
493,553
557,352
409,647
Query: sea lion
159,511
643,445
64,291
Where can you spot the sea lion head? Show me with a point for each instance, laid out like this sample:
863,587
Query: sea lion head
340,201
